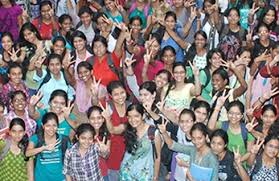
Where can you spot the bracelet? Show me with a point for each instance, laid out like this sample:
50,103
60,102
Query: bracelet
261,100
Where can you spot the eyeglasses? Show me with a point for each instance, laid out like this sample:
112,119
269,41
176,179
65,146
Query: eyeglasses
231,114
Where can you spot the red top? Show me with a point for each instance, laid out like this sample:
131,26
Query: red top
118,147
101,69
44,29
103,164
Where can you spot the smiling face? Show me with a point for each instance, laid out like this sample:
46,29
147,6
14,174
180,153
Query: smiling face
186,122
79,43
55,66
96,119
57,104
119,95
45,12
168,57
269,17
50,127
15,75
233,17
200,41
234,115
216,60
161,80
66,25
85,140
263,33
179,74
99,49
17,132
29,36
218,83
109,4
146,96
135,119
201,114
7,43
84,74
58,47
268,118
85,18
198,139
170,22
19,102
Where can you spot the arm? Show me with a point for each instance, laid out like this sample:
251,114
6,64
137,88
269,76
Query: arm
120,41
115,129
158,143
182,43
243,85
31,150
195,90
30,169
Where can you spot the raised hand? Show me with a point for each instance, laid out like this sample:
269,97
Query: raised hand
251,125
163,127
267,95
104,147
68,109
254,9
34,100
129,61
160,105
256,147
52,146
68,61
118,6
106,111
265,56
38,64
237,155
94,88
249,36
231,65
193,13
250,111
13,54
222,99
147,56
195,70
189,3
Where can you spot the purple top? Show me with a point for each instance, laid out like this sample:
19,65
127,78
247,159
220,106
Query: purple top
8,20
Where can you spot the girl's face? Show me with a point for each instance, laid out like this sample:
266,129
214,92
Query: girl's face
186,122
54,66
7,43
29,36
66,25
268,118
208,7
271,148
168,57
179,74
15,75
161,80
246,57
216,60
275,52
19,102
99,49
85,140
57,104
135,119
110,5
136,26
84,74
96,119
263,33
234,115
17,132
218,83
58,47
154,47
200,41
79,43
45,12
201,114
146,96
177,3
119,95
198,139
269,17
233,17
50,128
217,145
85,18
170,22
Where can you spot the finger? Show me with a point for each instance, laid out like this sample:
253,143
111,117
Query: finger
275,89
234,151
102,107
258,141
98,83
132,56
237,149
274,93
224,93
261,143
191,65
254,125
10,53
17,51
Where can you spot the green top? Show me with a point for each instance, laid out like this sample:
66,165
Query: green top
12,167
209,160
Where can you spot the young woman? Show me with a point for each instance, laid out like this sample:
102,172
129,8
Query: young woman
101,132
200,154
19,109
239,137
15,75
142,157
142,9
265,163
230,166
49,149
116,120
52,78
59,104
115,11
168,57
178,94
65,24
46,23
14,163
202,110
81,160
10,17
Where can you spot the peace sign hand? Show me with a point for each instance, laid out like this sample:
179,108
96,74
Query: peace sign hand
36,98
222,99
129,61
106,111
189,3
94,88
118,6
251,125
195,70
254,9
52,146
163,127
237,156
68,61
13,54
228,64
256,147
268,94
68,109
147,57
38,64
104,147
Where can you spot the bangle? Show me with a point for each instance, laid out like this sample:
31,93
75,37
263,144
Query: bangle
261,100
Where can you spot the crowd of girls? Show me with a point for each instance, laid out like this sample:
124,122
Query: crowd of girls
139,90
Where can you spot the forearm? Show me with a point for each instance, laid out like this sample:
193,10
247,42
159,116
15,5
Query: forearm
197,86
243,85
182,43
30,169
187,27
68,178
34,151
144,72
213,119
168,140
148,31
71,122
33,113
242,172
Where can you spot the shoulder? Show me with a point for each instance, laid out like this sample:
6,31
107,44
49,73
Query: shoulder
34,139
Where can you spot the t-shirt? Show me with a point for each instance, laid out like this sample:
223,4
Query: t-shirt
64,127
226,168
13,167
44,29
48,164
206,91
